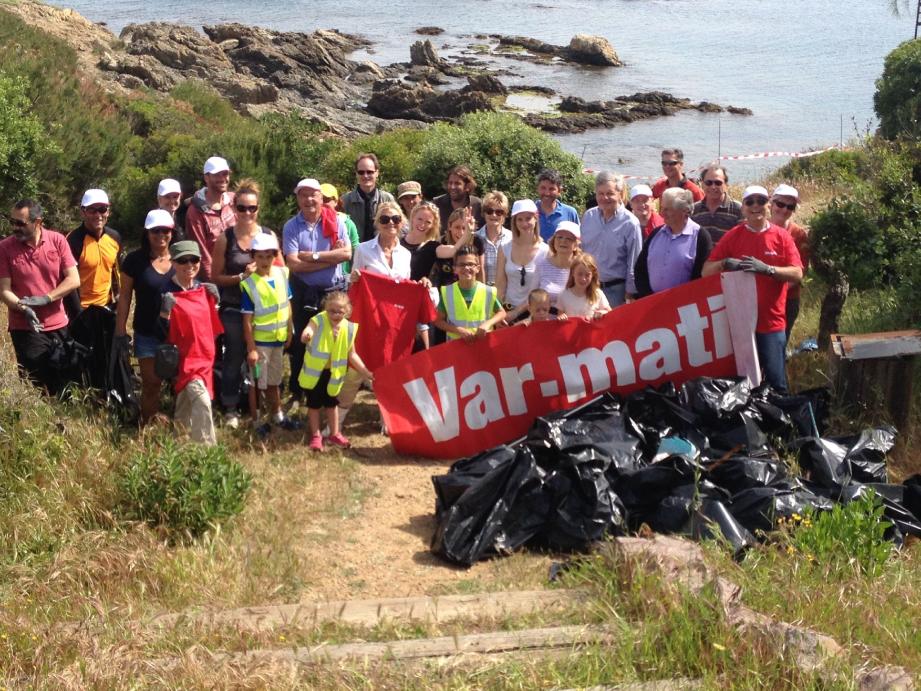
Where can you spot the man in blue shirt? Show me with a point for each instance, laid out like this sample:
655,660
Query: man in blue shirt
550,210
314,244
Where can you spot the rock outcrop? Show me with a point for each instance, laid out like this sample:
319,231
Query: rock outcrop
396,99
584,49
592,50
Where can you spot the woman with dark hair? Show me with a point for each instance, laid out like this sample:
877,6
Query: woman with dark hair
145,274
232,263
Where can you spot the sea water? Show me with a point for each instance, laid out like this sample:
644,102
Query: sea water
806,69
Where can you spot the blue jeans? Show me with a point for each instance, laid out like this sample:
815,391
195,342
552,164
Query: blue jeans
771,353
616,295
234,356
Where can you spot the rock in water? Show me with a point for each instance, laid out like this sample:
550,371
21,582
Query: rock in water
424,53
593,50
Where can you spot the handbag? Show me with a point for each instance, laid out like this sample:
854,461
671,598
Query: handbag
166,361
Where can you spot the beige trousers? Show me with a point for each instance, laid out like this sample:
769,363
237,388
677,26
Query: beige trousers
193,413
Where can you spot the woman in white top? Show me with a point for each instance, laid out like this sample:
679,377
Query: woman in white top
516,270
383,253
583,296
553,269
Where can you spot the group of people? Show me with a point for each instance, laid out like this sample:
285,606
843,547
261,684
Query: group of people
206,267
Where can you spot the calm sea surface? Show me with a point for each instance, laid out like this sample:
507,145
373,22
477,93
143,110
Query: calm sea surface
806,69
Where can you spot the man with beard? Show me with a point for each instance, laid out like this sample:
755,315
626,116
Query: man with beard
37,269
460,186
210,212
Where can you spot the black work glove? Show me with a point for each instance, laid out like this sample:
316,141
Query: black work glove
731,264
34,321
756,266
211,288
167,303
35,301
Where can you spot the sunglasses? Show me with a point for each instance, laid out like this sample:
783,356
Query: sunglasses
16,223
670,163
188,260
253,208
523,275
782,205
756,201
390,220
327,200
96,209
494,212
712,183
160,231
366,173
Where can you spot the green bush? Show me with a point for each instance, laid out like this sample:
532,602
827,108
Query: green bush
832,167
398,152
897,100
503,152
23,142
186,488
852,533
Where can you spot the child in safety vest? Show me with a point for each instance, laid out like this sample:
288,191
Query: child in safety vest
468,309
267,329
331,340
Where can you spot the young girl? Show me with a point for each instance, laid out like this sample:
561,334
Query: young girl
583,296
331,339
538,308
459,234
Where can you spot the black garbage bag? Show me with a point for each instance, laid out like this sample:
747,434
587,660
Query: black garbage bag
674,511
94,329
715,400
121,384
823,461
465,473
740,432
467,531
758,508
642,490
714,513
802,408
911,497
653,414
867,455
895,510
740,472
837,461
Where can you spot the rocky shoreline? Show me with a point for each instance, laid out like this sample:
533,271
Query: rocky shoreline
259,71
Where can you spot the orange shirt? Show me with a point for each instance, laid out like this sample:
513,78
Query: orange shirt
97,264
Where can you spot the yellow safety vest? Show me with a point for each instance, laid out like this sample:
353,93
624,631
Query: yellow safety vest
271,306
325,349
457,311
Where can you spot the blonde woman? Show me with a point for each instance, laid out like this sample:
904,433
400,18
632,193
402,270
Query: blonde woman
493,233
516,263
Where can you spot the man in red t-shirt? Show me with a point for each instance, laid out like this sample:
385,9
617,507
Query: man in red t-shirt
673,167
210,211
37,269
783,205
760,247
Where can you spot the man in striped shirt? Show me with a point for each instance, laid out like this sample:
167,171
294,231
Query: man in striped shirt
716,213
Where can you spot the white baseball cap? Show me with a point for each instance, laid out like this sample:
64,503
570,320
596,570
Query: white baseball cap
168,186
159,218
569,227
307,183
641,190
216,164
786,191
94,196
754,190
524,205
264,241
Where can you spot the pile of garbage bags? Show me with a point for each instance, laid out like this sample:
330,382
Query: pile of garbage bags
695,460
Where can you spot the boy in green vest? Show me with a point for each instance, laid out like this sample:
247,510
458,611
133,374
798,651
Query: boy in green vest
330,337
267,328
468,309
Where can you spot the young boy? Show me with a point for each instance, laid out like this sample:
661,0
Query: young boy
468,309
538,307
331,339
267,328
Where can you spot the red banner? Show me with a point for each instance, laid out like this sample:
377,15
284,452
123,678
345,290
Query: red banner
461,398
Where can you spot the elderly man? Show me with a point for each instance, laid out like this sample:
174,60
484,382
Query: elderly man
97,248
760,247
674,253
612,235
211,211
716,213
641,206
550,210
783,205
361,203
460,186
37,269
673,167
315,242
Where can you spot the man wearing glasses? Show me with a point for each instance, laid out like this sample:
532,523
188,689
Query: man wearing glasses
717,212
97,249
361,203
37,269
768,251
211,211
673,167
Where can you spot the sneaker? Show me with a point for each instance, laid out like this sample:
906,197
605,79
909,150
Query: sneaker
290,425
338,440
232,421
316,442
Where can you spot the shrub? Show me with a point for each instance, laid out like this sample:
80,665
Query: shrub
504,154
897,100
22,142
853,533
831,167
186,488
398,152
